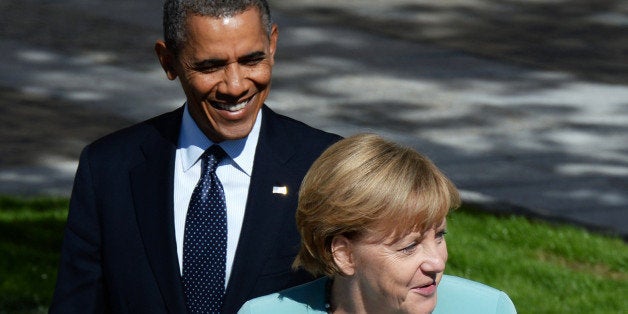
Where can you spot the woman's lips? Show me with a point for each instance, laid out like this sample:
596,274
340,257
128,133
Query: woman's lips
426,290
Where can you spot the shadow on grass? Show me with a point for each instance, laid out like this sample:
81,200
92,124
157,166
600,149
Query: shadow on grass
30,241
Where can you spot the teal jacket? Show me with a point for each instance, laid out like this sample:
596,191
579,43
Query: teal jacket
455,295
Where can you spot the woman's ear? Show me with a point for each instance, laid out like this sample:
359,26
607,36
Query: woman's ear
166,59
341,250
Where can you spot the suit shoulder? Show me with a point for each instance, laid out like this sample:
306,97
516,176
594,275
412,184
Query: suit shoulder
301,130
165,125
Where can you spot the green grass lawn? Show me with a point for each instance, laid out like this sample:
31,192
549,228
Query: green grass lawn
544,268
30,241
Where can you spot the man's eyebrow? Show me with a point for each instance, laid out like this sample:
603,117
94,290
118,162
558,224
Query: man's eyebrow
253,56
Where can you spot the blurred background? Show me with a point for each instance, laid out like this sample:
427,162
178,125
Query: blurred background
524,104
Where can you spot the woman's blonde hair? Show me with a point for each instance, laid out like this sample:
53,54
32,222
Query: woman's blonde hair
365,184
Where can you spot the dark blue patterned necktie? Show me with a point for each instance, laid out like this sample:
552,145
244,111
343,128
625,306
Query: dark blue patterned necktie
205,239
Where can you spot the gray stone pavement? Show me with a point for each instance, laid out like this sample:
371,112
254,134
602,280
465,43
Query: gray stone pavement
536,126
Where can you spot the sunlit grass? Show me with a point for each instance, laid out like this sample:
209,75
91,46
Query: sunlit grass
544,268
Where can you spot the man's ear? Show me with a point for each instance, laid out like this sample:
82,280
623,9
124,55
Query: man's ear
166,59
342,251
274,36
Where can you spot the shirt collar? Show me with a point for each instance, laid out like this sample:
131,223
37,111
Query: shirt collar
193,142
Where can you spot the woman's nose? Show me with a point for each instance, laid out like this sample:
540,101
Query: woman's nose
435,259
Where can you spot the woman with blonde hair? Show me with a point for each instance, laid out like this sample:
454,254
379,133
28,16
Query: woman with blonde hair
372,218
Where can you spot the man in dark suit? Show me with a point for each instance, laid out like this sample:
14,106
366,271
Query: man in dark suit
123,243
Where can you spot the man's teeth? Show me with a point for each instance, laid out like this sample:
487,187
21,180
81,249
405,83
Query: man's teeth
232,107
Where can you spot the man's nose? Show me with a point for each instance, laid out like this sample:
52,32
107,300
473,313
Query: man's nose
234,81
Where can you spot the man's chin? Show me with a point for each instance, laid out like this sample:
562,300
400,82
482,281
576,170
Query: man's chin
229,134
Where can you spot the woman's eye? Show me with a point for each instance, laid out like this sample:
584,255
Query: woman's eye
409,249
440,235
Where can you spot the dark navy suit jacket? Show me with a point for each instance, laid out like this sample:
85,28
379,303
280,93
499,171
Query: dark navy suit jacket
119,253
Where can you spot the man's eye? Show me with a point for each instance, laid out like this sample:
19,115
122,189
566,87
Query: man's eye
209,69
251,62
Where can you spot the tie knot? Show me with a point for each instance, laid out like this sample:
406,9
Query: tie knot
212,157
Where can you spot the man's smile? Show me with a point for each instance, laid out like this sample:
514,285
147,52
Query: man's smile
232,107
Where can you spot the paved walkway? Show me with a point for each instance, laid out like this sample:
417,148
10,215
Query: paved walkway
524,109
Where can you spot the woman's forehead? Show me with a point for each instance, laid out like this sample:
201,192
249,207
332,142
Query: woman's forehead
391,232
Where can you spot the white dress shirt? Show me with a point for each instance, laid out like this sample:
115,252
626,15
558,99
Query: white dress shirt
234,173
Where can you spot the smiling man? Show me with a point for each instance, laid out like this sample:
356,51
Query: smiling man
224,167
224,66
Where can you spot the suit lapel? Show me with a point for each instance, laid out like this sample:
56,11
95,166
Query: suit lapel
265,210
152,188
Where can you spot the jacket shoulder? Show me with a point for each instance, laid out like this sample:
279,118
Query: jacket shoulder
165,126
460,295
298,131
305,298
